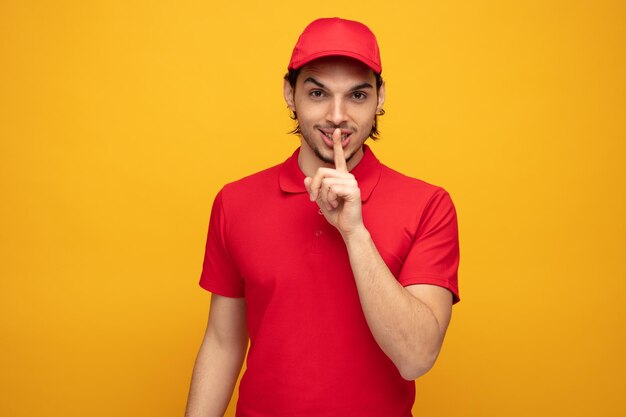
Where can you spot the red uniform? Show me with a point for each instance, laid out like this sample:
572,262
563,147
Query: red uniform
311,351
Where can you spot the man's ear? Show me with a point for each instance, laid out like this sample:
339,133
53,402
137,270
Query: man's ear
289,96
381,98
289,99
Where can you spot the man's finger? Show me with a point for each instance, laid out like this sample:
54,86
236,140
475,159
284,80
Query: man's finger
307,185
340,159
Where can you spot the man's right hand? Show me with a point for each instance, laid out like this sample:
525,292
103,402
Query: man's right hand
337,192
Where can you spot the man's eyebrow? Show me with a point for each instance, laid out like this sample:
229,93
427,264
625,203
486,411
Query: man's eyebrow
320,85
362,86
314,81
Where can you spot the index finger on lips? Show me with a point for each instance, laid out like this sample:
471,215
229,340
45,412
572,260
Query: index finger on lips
340,159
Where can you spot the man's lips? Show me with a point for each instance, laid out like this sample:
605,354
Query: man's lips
327,135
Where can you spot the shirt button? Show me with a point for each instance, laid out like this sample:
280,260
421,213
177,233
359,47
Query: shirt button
320,212
318,233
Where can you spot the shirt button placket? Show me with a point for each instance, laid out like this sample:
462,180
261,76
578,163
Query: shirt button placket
318,232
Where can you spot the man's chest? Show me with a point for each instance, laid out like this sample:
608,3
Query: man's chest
294,238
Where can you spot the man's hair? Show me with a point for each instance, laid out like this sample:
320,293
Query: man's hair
292,77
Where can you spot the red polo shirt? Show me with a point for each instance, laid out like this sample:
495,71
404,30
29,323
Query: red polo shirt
311,351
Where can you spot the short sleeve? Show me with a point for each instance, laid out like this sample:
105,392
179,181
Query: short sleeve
219,273
434,254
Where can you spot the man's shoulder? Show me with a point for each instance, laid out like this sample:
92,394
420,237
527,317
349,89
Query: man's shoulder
259,186
264,178
408,185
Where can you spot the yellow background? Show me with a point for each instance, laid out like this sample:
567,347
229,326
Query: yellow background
120,120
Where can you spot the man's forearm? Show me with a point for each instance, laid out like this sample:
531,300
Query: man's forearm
404,326
214,377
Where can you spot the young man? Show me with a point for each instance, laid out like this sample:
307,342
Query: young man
339,271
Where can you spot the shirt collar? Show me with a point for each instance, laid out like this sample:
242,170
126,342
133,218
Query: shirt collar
366,172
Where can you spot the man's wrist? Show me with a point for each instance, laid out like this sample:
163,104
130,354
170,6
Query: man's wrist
357,235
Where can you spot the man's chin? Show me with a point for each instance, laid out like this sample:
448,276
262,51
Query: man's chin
327,159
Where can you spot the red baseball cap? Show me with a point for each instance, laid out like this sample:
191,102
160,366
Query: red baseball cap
336,37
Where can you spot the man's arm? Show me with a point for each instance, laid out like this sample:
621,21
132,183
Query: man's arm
220,358
409,323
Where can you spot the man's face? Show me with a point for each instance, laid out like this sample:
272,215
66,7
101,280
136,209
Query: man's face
330,93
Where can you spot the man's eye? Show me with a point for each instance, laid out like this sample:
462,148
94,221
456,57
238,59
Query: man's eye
359,95
316,93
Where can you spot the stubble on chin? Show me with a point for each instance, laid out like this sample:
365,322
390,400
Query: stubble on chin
323,158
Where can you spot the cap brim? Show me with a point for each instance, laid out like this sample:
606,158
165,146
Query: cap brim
302,62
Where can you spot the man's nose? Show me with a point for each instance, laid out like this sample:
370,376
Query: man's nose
337,111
